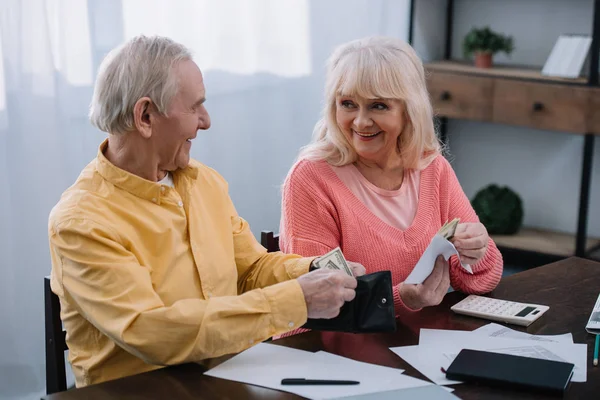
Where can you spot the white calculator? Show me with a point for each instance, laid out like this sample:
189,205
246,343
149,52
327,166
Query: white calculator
500,310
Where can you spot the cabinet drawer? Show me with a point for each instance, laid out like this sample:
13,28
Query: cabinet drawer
594,111
541,105
460,96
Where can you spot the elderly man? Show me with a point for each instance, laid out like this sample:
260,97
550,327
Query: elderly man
151,262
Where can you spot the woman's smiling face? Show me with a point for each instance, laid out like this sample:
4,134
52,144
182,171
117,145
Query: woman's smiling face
371,126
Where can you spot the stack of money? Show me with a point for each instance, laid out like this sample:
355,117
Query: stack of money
448,229
333,260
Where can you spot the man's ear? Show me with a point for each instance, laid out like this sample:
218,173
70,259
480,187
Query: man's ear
144,115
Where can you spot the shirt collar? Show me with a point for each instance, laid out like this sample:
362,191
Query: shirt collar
134,184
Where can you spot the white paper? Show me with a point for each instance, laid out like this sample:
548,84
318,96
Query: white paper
593,325
553,60
567,56
426,360
496,330
581,48
438,246
363,367
429,392
450,343
267,364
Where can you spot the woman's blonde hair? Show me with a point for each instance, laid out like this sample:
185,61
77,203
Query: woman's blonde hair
376,67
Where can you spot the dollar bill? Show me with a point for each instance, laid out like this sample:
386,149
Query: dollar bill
448,229
334,260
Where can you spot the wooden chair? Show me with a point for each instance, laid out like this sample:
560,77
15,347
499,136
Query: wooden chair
269,241
56,345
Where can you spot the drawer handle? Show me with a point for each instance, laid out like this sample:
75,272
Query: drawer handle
537,106
445,96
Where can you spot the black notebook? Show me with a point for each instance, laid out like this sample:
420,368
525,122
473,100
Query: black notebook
511,371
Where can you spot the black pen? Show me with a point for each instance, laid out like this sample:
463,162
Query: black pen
304,381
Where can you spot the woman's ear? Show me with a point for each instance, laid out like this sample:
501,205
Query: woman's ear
143,116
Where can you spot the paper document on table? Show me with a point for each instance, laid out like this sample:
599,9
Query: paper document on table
451,342
426,360
438,246
497,330
437,349
593,325
267,364
365,368
430,392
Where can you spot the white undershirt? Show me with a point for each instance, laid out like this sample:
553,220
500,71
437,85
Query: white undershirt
167,180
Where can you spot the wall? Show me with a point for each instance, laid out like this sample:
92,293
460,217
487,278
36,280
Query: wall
544,167
254,147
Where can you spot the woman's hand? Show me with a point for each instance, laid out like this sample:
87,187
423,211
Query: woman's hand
471,241
433,289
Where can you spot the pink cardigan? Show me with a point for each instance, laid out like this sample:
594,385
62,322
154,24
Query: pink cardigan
320,213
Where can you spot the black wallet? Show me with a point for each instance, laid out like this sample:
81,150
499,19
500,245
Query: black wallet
372,310
506,370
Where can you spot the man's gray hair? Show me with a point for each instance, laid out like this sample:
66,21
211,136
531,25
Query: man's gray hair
140,67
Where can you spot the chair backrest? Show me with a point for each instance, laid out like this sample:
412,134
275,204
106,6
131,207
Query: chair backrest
269,241
56,345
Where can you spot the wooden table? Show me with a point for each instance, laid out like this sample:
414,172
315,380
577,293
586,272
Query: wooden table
570,287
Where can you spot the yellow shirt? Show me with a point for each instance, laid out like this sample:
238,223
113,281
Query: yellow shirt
151,275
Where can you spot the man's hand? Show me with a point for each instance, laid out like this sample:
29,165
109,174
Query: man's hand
357,269
433,289
326,291
471,242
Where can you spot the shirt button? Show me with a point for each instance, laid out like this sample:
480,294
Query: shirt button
291,324
154,199
209,294
180,203
250,341
162,188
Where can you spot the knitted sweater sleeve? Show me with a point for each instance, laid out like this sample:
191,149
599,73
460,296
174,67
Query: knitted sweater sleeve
308,217
488,271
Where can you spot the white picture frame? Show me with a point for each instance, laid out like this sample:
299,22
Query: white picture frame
567,56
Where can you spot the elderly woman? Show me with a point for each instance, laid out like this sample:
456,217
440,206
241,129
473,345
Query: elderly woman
373,180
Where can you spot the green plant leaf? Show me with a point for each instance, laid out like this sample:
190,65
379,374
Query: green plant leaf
487,41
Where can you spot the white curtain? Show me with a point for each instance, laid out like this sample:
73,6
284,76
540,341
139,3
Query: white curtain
263,62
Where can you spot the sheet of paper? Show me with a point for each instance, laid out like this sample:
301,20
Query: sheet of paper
497,330
451,342
593,325
267,364
365,368
437,246
426,360
430,392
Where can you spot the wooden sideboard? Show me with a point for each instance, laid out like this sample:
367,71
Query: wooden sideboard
513,96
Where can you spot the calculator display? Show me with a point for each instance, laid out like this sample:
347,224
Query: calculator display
525,311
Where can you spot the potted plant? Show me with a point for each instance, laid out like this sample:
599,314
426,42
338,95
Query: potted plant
484,43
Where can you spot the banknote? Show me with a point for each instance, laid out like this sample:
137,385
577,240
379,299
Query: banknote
448,229
334,260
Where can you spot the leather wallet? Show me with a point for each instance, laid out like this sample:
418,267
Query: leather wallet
372,310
